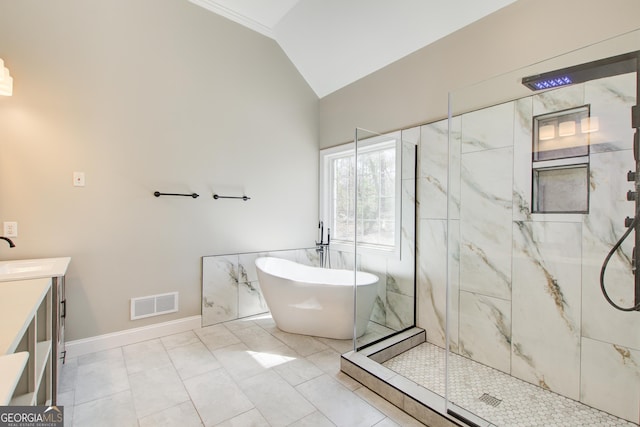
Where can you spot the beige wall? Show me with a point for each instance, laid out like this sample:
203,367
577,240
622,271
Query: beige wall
148,95
414,89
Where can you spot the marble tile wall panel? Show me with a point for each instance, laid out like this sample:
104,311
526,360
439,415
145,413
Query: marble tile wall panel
611,378
309,257
247,266
230,287
402,270
522,148
488,128
378,266
486,216
603,226
343,260
400,298
558,99
219,289
399,311
611,100
400,276
432,280
434,172
485,330
250,299
455,168
546,305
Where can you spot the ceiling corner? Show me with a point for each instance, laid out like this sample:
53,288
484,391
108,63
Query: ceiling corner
235,16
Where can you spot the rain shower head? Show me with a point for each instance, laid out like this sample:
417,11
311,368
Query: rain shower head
621,64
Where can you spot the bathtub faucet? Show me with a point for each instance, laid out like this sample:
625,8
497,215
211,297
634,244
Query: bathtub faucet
322,248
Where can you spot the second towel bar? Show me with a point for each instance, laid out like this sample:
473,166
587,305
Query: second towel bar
245,198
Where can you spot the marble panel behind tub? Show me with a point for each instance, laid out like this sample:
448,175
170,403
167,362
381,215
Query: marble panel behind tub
342,260
250,299
485,330
219,289
603,226
611,100
486,216
611,378
546,305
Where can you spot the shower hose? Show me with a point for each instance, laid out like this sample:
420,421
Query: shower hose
613,250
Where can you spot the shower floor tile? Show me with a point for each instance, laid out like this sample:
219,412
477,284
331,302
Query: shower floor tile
493,395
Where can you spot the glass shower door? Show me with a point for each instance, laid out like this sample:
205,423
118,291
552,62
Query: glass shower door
384,234
537,196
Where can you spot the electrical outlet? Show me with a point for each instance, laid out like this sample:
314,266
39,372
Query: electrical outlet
10,229
78,179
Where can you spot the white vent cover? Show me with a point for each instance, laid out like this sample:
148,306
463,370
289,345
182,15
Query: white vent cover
154,305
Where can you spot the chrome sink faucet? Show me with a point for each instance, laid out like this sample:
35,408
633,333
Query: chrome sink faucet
11,244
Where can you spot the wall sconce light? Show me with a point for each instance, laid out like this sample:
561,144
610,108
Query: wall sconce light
567,128
589,124
6,81
546,132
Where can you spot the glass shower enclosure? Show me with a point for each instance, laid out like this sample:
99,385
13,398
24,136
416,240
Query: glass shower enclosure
382,226
542,182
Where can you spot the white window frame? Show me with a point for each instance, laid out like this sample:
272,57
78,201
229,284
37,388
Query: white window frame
326,200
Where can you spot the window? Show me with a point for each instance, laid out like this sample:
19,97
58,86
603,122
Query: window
377,221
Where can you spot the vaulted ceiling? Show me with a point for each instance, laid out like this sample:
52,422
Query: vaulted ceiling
336,42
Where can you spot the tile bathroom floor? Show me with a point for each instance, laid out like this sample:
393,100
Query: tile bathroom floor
240,373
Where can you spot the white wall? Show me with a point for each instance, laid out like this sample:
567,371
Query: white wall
141,96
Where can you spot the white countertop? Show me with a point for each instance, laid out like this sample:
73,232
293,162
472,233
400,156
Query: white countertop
24,269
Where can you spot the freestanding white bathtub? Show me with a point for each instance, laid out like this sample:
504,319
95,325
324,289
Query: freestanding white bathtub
316,301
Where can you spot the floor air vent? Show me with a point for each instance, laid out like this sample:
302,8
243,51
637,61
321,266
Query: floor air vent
154,305
490,400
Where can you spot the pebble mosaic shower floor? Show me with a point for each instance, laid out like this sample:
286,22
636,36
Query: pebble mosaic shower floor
493,395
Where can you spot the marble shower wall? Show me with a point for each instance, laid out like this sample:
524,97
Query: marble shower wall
525,295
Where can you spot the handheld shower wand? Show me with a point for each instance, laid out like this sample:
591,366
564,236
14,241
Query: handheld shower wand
632,224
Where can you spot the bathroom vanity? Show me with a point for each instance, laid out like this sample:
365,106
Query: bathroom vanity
26,337
32,316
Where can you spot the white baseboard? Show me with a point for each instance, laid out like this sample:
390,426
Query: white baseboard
79,347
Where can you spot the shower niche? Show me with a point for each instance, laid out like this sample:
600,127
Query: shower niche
560,161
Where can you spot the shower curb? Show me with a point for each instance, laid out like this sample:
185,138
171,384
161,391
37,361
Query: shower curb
365,366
